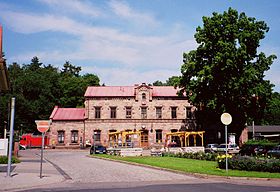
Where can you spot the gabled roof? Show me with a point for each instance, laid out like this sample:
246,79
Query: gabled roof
129,91
110,91
67,114
265,128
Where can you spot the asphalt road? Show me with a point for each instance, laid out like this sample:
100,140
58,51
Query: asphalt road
83,173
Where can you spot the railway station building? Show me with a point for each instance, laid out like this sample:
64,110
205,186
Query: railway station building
139,115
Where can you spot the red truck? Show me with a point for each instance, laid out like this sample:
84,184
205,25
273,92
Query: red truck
30,140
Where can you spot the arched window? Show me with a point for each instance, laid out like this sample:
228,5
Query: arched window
144,96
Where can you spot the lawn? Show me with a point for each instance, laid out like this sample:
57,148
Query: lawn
190,166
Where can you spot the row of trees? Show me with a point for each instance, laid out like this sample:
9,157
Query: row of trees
38,88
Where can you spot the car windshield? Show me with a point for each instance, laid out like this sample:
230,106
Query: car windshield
212,145
99,147
233,145
222,146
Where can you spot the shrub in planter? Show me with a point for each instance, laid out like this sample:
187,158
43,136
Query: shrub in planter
251,164
197,155
4,160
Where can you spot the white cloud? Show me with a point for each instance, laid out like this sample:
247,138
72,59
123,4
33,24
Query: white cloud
105,43
31,23
74,6
124,11
127,76
131,53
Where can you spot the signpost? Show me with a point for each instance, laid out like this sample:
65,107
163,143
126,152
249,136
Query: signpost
226,120
11,136
42,126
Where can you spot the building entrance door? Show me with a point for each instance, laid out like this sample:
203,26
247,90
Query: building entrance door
145,138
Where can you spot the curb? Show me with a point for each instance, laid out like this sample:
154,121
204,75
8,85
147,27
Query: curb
197,175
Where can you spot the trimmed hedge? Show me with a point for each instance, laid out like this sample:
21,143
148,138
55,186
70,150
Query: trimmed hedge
247,163
4,160
197,155
262,142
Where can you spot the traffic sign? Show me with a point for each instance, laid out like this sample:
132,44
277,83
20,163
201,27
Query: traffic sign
226,118
43,125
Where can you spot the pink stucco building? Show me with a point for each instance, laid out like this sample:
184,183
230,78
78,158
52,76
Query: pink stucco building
152,110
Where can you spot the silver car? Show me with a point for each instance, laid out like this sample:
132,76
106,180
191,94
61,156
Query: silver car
232,148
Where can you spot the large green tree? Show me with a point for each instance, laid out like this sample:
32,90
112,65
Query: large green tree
226,72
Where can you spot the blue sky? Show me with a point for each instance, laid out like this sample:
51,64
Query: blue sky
123,42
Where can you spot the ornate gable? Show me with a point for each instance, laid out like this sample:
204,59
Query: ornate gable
143,93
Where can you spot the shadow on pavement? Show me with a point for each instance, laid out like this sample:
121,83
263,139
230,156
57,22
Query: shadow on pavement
205,187
3,168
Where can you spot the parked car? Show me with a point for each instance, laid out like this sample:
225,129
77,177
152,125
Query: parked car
249,150
275,152
98,149
253,150
232,148
211,148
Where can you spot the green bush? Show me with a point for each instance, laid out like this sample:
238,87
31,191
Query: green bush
247,163
197,155
262,142
4,160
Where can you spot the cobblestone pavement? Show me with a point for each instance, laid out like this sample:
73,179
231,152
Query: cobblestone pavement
84,169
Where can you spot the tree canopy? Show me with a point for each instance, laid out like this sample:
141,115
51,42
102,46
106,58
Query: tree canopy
226,72
171,81
38,88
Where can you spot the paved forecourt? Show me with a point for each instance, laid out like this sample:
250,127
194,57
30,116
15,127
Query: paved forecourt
82,168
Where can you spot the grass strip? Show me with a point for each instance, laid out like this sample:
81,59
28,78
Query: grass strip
190,166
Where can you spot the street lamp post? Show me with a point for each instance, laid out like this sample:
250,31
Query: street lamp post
226,120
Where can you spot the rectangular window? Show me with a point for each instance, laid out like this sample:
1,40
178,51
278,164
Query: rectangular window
113,112
74,136
144,112
188,113
128,112
60,136
97,112
173,112
158,136
158,112
96,136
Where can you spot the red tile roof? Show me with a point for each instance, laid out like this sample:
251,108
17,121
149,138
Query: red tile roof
129,91
68,114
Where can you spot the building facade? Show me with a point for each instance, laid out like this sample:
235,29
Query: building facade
152,110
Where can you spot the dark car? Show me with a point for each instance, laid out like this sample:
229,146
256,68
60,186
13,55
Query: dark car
248,150
253,150
98,149
275,152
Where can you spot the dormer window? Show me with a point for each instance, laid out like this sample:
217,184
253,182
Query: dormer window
143,96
